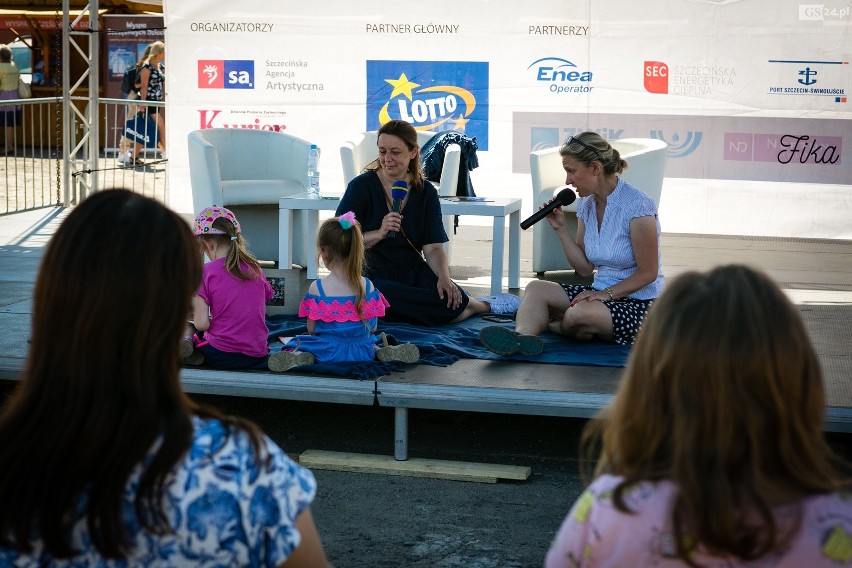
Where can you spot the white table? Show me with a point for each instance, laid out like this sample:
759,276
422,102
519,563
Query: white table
499,209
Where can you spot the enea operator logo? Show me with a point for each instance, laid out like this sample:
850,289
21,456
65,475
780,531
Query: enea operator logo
225,74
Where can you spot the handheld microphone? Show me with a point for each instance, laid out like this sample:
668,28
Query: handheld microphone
399,190
563,198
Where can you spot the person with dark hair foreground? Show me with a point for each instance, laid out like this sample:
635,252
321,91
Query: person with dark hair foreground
618,241
102,455
405,252
712,452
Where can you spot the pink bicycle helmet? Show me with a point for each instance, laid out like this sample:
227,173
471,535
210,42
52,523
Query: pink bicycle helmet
204,220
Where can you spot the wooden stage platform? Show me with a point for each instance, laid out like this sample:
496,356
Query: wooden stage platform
816,273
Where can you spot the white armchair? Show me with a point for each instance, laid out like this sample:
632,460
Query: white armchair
356,155
646,158
247,171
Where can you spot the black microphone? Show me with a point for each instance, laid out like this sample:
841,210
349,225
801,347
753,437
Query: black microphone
563,198
399,190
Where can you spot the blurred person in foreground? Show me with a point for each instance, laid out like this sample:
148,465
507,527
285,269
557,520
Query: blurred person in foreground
712,452
103,458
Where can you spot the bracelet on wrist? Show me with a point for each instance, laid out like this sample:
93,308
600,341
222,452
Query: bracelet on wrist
608,290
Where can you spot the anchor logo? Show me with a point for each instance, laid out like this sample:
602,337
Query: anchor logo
808,73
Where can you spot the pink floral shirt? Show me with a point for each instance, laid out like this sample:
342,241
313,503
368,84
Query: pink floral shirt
595,534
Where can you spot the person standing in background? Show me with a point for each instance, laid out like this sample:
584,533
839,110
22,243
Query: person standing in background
10,115
152,87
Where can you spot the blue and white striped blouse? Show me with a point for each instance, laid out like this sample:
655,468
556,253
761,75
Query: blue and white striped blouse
610,249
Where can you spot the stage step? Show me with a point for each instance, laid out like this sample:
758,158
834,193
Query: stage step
415,467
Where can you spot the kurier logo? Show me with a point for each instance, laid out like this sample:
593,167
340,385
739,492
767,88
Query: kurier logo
656,77
225,74
431,95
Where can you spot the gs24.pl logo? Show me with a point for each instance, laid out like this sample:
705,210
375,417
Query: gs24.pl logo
431,95
225,74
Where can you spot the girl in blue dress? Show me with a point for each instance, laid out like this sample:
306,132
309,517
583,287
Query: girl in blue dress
342,308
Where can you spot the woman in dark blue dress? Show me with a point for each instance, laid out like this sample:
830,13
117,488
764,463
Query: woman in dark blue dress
411,268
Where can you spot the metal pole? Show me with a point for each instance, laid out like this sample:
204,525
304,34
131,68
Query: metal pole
66,102
400,451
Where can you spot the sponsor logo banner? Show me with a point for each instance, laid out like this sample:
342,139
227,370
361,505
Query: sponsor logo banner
809,79
715,147
694,80
559,75
225,74
432,95
248,118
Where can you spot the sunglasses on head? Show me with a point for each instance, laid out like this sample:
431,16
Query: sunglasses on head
572,140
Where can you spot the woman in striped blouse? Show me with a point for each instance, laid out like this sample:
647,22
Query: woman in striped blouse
618,240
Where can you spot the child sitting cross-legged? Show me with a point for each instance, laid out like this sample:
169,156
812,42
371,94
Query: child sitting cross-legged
342,308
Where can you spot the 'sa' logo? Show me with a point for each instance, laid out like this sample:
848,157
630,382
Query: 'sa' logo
225,74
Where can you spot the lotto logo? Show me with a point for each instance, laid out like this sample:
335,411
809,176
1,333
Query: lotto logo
656,77
225,74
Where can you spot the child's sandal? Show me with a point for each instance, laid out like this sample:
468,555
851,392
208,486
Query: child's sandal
286,360
405,353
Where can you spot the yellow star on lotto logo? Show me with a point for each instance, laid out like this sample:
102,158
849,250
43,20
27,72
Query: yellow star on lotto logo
402,86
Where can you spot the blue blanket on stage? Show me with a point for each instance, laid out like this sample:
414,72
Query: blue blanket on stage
444,345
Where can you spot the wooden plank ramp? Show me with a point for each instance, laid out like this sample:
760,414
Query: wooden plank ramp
416,467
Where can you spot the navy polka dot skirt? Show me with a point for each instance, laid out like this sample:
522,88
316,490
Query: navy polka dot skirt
627,313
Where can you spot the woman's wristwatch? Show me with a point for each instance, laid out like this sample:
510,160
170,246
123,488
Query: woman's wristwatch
608,290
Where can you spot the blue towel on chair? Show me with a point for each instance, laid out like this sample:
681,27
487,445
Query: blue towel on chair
443,345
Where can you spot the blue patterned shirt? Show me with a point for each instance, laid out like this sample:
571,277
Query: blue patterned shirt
226,510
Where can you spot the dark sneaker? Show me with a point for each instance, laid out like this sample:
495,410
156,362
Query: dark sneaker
406,353
503,341
286,360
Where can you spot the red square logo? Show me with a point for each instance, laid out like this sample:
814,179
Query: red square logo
656,77
211,74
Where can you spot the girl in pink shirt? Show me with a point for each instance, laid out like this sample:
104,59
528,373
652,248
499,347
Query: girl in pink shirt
229,310
712,451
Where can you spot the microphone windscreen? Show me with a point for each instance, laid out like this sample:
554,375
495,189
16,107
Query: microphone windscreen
566,197
399,189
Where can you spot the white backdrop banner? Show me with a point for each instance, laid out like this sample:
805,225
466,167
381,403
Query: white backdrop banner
739,89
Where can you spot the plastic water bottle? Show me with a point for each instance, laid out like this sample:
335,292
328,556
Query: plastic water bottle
313,172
